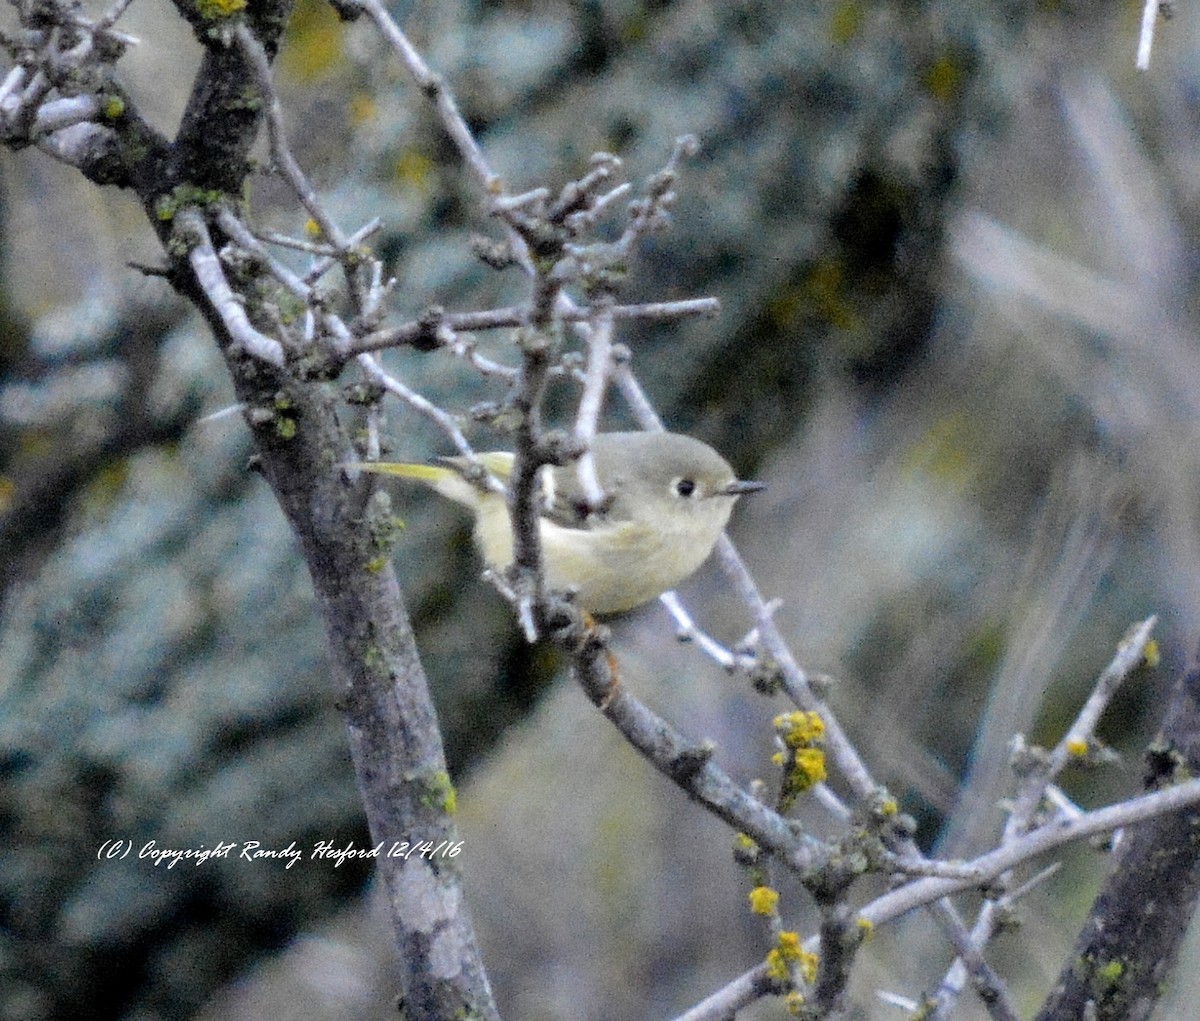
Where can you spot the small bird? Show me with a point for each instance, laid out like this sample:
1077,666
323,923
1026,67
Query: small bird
669,497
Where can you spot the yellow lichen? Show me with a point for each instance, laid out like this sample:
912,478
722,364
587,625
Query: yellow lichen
213,10
1077,747
763,900
803,762
777,968
789,952
442,793
800,729
1151,655
1108,975
745,850
809,769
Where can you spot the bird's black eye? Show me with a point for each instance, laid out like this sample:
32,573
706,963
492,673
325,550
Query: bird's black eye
685,487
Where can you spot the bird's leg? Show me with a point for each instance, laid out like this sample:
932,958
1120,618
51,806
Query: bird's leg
602,685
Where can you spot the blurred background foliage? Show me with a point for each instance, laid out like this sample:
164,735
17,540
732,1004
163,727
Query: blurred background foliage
954,246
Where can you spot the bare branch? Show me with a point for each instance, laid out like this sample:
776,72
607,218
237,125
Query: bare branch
62,113
211,278
514,317
10,91
689,764
524,496
254,53
725,1003
591,403
419,403
906,865
240,233
536,197
987,983
839,940
82,145
690,631
1146,35
1031,845
105,22
637,400
434,88
1037,784
1131,653
329,257
795,679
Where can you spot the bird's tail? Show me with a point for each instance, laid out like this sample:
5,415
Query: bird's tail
446,481
430,473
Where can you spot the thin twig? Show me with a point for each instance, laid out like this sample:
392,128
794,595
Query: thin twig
989,985
688,763
11,89
62,113
591,402
795,680
689,631
726,1002
211,278
836,955
239,232
517,316
109,17
920,866
1037,785
79,145
635,397
306,245
794,677
1146,35
524,491
1033,844
281,153
418,403
443,99
1130,654
985,868
328,259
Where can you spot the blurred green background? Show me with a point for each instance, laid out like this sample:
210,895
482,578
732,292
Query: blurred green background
954,247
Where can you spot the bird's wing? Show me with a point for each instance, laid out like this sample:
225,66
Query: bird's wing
562,502
498,462
566,502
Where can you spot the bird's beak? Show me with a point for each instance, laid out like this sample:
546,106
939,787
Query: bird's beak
739,486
